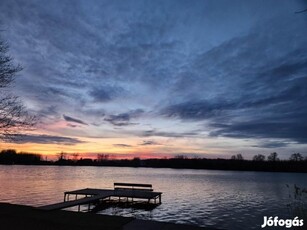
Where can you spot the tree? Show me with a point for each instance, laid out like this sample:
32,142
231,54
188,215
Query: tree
296,157
259,157
102,157
75,157
237,157
273,157
62,156
13,116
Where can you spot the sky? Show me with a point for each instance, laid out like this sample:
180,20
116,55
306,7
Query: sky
160,78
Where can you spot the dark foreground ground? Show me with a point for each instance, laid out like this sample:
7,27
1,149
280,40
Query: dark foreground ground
17,217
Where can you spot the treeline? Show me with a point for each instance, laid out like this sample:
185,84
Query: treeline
214,164
272,163
10,156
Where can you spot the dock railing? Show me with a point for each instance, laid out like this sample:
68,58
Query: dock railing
133,186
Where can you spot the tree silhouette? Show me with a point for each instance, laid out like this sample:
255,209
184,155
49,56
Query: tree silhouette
259,157
273,157
296,157
237,157
13,115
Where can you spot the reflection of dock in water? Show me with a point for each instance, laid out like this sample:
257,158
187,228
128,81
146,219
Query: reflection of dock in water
123,195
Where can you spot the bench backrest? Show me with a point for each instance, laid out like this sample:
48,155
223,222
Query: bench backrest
146,187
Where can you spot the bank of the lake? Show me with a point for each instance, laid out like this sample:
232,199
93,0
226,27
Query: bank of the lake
28,218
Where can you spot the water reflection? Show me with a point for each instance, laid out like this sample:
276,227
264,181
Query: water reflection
224,199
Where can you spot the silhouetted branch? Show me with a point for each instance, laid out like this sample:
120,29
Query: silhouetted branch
13,116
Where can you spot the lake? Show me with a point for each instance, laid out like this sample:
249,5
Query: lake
222,199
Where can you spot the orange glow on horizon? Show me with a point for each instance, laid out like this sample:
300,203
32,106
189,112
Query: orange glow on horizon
116,148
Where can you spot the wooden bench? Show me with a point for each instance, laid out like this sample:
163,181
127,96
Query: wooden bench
131,186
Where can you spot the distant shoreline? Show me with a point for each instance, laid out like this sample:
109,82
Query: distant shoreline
174,163
236,163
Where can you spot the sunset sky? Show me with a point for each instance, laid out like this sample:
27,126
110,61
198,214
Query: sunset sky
161,78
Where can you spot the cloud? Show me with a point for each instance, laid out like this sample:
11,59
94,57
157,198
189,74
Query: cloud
123,119
250,86
72,126
74,120
152,133
265,129
46,139
106,93
196,110
242,78
100,95
149,142
122,145
272,144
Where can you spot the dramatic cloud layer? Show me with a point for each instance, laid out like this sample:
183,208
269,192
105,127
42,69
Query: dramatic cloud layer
199,77
46,139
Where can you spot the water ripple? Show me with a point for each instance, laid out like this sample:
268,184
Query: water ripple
230,200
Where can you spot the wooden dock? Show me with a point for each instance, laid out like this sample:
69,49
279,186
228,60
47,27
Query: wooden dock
123,193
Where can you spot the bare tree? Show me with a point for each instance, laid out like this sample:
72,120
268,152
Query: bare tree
13,116
259,157
237,157
102,157
273,157
75,156
296,157
62,156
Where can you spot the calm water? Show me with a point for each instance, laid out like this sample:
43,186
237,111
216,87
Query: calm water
223,199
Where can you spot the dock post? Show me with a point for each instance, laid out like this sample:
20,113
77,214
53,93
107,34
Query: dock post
160,199
64,197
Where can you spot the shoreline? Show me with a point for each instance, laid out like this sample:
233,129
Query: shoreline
166,167
13,216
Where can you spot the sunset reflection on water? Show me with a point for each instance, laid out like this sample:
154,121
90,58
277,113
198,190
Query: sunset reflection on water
223,199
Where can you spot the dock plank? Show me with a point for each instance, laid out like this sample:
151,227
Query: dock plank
72,203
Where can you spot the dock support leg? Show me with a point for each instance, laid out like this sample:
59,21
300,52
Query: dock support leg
64,197
159,199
